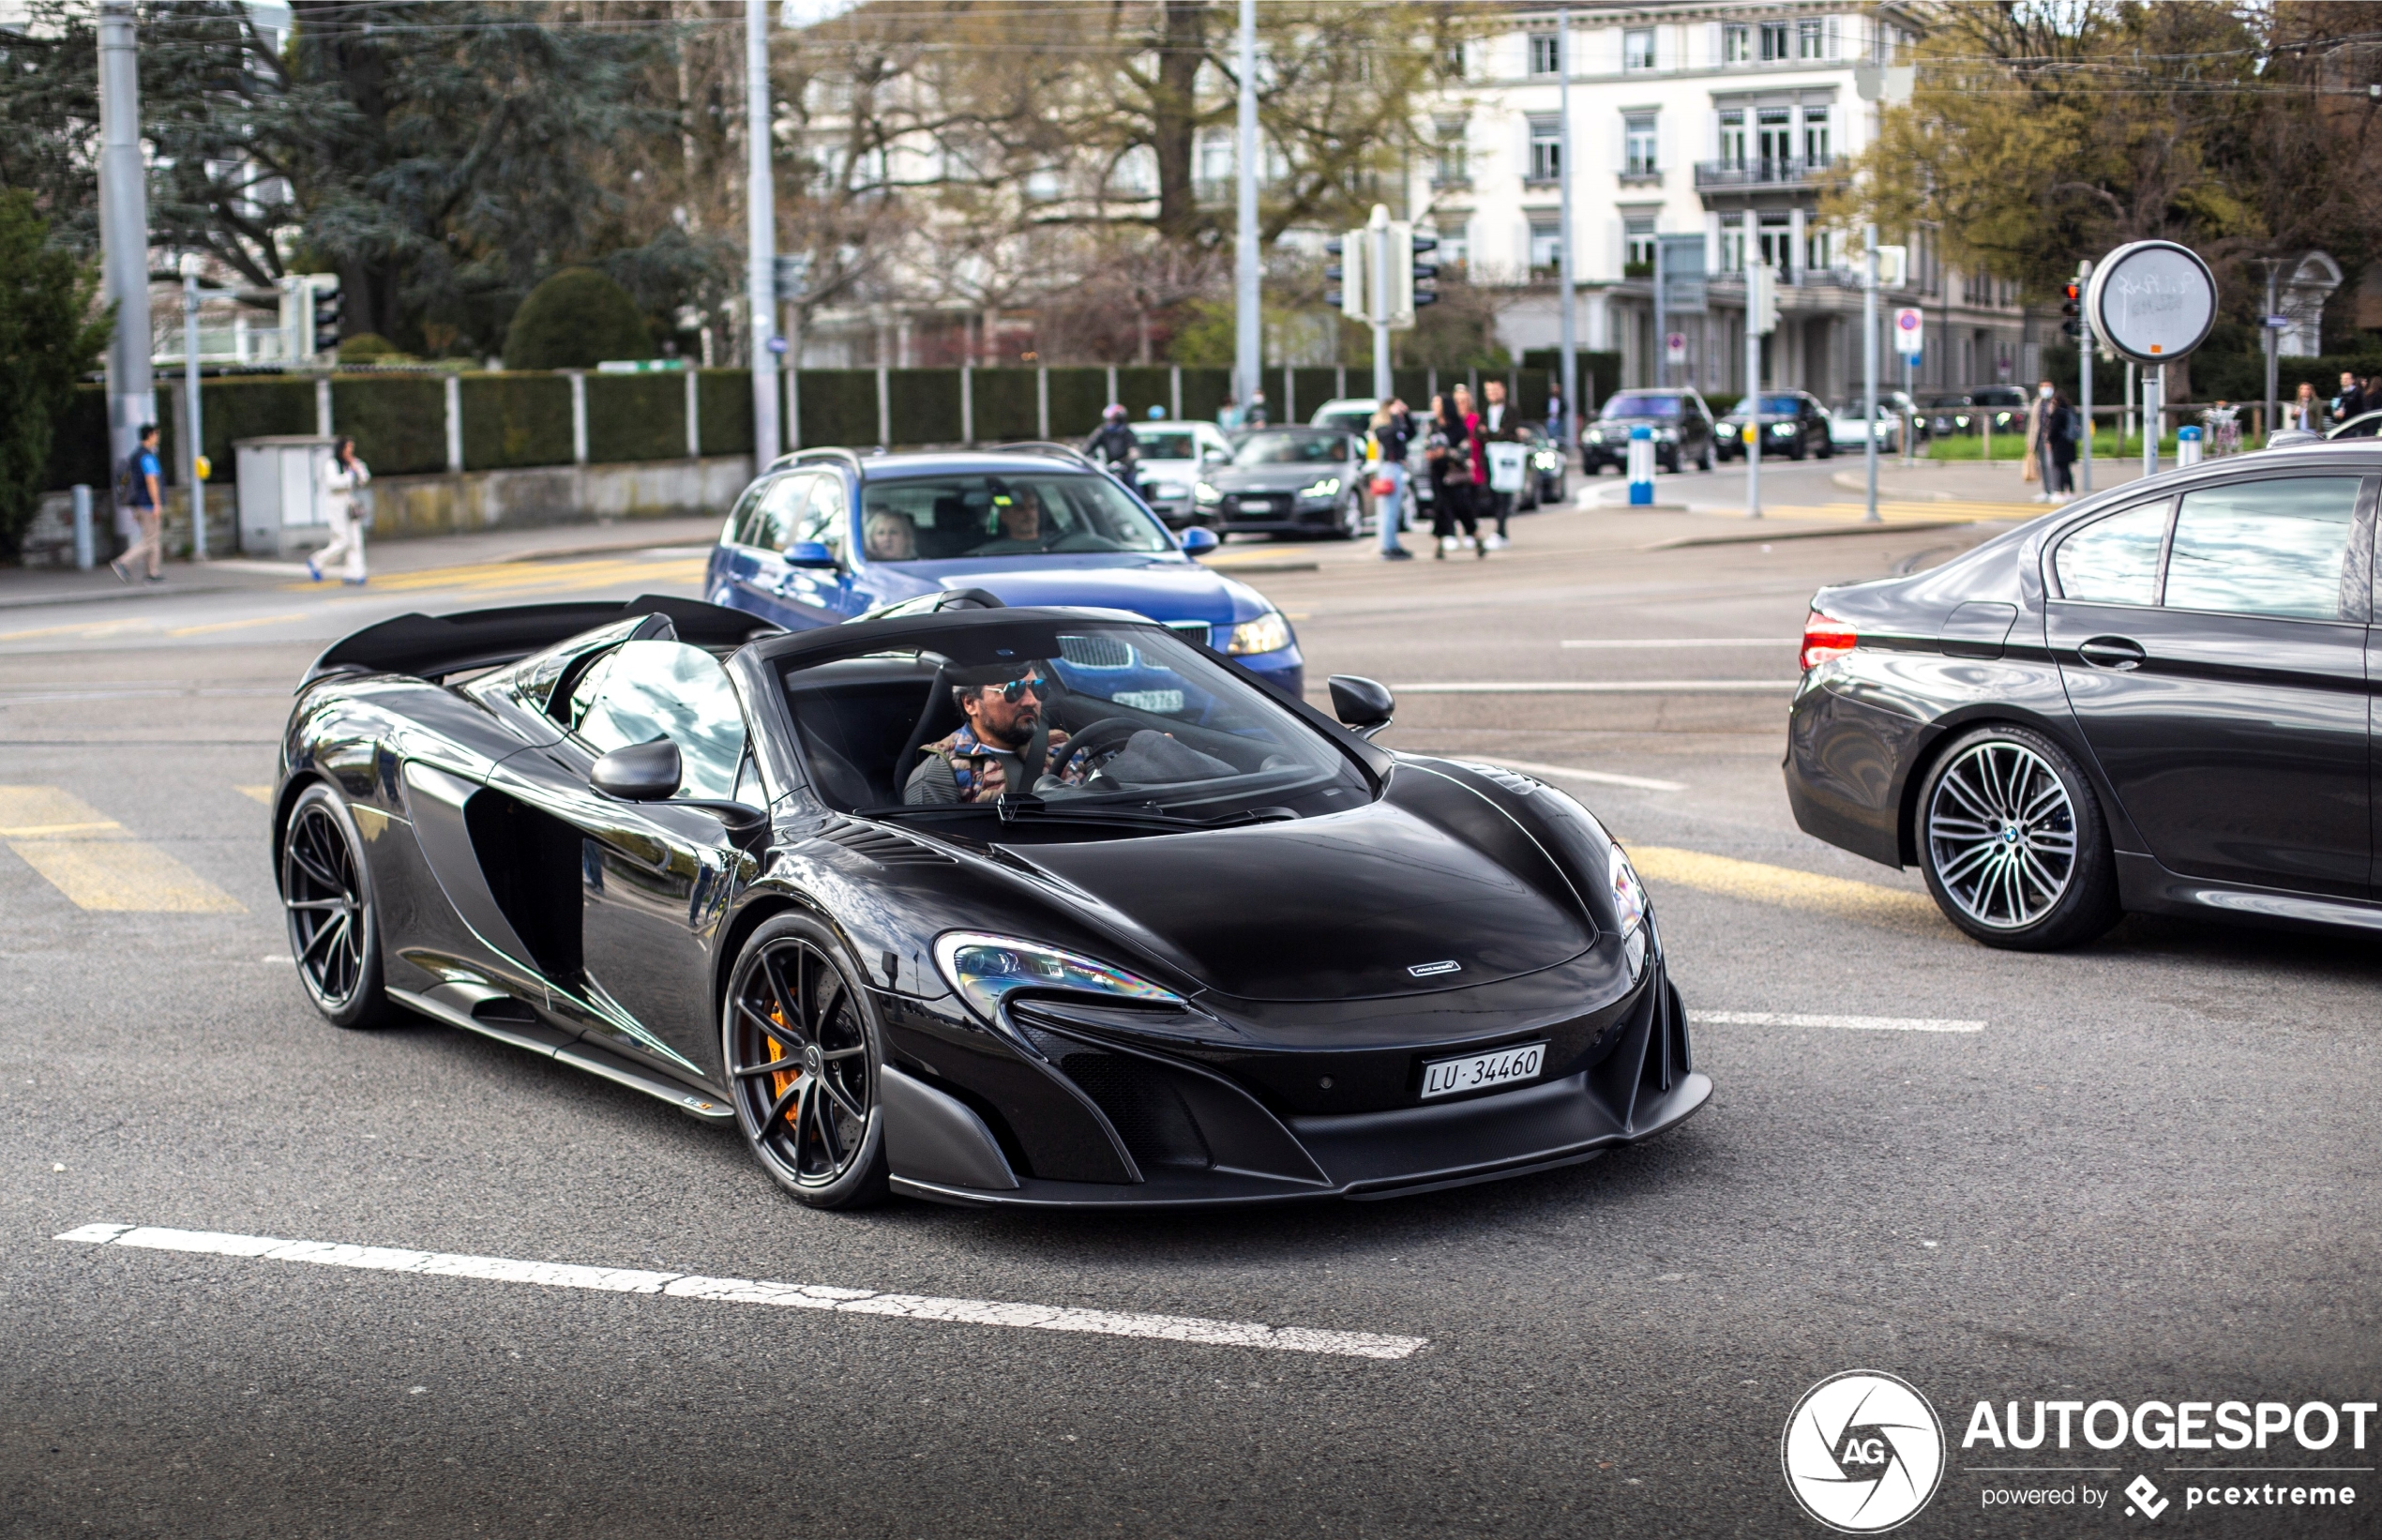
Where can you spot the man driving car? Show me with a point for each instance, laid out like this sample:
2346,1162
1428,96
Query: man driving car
986,758
1023,530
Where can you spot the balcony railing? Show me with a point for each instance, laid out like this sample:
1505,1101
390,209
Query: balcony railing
1784,172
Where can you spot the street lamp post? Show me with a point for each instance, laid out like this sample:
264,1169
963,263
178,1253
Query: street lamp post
1869,359
761,232
1563,239
124,233
1247,335
193,427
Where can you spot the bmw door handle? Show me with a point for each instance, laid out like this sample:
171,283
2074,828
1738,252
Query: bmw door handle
2112,652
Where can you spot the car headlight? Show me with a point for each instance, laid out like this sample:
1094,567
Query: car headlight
1628,893
1268,633
987,969
1203,492
1668,435
1169,489
1782,428
1596,435
1328,487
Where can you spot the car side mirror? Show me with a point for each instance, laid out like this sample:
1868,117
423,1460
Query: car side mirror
1213,456
1197,540
810,553
642,772
1362,704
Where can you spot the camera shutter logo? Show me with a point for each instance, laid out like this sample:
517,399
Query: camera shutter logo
1863,1452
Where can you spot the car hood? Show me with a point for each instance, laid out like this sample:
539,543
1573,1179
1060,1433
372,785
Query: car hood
1342,907
1153,586
1625,424
1273,479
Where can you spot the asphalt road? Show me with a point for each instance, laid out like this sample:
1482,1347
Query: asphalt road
2146,1173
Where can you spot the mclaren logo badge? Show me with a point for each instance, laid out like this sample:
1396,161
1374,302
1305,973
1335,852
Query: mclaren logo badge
1426,970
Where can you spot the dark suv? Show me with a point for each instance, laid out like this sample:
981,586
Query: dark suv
1683,426
1793,424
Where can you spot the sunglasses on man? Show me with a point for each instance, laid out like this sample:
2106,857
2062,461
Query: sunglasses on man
1016,689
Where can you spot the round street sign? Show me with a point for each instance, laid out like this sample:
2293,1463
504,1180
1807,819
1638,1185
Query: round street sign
1908,323
2151,301
1675,346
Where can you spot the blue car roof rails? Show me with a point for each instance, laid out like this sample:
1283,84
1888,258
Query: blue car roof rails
848,457
1064,451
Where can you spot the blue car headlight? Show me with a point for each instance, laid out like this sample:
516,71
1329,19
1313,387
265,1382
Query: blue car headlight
1268,633
986,970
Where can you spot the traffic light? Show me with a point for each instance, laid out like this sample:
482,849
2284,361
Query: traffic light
330,306
1419,279
2071,309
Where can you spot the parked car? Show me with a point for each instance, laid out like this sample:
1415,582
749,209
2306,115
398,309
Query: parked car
1967,412
1173,455
1353,414
1287,481
1847,429
825,536
1793,424
1681,424
2365,425
2153,701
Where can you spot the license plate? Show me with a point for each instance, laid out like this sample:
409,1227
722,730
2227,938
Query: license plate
1259,504
1482,1071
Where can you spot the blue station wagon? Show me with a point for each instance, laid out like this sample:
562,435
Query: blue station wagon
827,534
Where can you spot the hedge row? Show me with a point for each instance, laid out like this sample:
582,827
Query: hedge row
510,419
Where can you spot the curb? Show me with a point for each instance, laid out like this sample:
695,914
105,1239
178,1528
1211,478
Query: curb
1767,536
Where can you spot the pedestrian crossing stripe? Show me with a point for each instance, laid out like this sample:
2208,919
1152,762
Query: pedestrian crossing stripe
91,859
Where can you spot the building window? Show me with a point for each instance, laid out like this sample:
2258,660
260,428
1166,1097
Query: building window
1777,242
1637,144
1452,62
1637,247
1732,137
1732,243
1454,165
1820,249
1815,136
1811,39
1456,246
1547,149
1736,44
1637,49
1775,135
1773,42
1215,162
1543,54
1546,244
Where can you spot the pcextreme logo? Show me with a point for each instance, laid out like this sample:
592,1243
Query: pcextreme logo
1863,1452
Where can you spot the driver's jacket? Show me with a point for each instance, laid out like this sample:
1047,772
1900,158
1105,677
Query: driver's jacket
979,772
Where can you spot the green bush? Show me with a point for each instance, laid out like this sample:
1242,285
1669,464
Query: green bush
576,320
924,404
517,419
1411,385
398,421
1005,405
79,443
1317,385
2242,376
368,347
1140,389
250,407
724,410
1600,373
1203,391
636,417
49,337
1078,397
839,408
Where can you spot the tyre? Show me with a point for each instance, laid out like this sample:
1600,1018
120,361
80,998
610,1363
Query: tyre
326,901
806,1057
2013,845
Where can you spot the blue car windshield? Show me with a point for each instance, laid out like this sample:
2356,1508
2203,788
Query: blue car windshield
1030,513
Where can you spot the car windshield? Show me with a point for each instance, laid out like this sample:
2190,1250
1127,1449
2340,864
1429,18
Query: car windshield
1292,447
1136,722
1167,443
1353,420
1030,513
1635,405
1949,400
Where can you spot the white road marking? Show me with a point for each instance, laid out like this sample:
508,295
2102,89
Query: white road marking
1664,644
1602,777
800,1296
1849,1024
1596,686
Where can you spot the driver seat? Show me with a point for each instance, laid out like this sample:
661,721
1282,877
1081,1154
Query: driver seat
939,721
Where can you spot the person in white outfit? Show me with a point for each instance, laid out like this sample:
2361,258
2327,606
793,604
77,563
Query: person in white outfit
340,480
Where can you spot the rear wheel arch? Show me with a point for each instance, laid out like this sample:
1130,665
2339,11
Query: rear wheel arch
1944,731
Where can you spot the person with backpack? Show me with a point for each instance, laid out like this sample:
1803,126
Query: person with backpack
342,478
138,488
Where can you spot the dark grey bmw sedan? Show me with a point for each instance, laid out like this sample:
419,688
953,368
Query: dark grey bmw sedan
2157,699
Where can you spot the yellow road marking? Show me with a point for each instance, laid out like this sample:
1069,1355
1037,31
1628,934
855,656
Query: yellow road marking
259,794
1781,885
548,577
237,625
102,870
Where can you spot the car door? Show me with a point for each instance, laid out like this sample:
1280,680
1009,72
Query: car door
824,593
756,566
2213,646
654,878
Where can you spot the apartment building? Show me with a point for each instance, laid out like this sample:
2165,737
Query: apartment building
1710,129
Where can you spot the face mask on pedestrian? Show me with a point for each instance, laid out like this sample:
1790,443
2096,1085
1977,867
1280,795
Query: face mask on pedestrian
2045,391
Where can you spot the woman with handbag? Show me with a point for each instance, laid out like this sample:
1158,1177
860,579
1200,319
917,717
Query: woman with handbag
342,478
1385,451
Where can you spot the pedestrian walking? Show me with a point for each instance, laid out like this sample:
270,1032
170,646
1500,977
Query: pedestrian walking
2059,443
342,478
2305,410
1499,424
1385,447
2352,399
139,488
2037,466
1227,417
1450,454
1253,415
1555,412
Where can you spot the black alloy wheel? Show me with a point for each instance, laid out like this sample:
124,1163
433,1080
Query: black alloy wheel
326,898
803,1053
2012,843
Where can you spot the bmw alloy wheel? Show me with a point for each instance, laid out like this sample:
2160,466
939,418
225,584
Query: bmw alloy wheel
2001,835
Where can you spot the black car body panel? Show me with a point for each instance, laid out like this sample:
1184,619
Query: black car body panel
1683,434
1791,435
1311,964
2230,754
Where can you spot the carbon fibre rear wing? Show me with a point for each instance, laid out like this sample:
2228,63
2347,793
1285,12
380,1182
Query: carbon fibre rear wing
433,646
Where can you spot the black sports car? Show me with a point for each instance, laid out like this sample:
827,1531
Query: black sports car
1223,949
2157,699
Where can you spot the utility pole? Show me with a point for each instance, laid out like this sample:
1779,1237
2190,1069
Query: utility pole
1379,281
1247,321
1563,239
2266,325
1761,315
1662,320
124,234
1869,358
2084,367
761,232
194,423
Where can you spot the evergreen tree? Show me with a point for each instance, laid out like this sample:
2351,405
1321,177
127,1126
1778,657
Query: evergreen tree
49,337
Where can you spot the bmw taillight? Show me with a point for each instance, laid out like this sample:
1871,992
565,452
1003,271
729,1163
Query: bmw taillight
1826,637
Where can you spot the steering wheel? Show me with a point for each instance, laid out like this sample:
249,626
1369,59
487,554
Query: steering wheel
1101,741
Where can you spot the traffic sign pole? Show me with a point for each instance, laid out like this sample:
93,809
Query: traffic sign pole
1869,359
